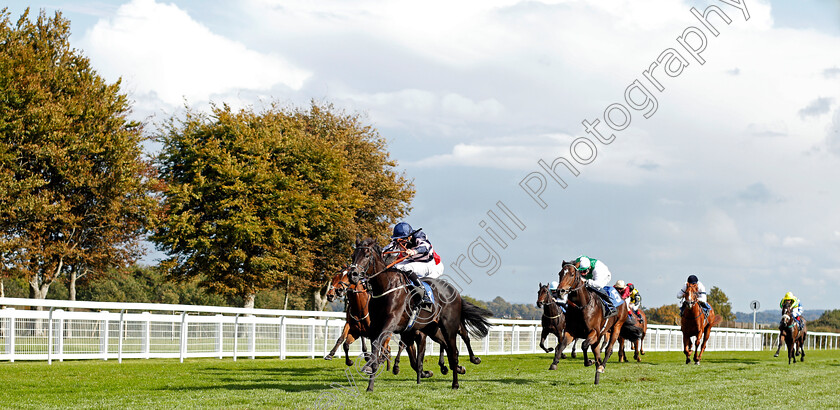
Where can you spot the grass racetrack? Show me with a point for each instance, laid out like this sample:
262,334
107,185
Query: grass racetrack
723,380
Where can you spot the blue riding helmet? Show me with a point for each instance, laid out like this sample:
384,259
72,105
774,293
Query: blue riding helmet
692,279
401,231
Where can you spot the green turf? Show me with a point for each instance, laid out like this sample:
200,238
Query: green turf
723,380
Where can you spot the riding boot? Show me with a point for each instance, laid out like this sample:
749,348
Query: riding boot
425,301
611,310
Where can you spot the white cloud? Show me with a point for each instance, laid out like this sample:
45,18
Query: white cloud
159,49
793,241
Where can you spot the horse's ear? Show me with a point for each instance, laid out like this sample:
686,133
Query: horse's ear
540,284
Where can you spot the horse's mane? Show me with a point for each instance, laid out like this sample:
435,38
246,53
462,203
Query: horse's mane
371,243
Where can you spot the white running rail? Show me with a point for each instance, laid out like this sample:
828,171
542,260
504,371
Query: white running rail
114,331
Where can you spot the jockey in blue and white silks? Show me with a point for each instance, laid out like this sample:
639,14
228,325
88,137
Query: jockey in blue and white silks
421,261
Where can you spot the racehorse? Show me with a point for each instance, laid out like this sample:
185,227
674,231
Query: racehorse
794,336
589,321
392,309
358,318
633,331
553,322
696,324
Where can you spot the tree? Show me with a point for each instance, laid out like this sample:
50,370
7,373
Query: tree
720,303
258,200
829,321
75,190
664,315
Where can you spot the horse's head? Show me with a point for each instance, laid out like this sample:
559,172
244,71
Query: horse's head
366,255
691,293
338,285
570,280
787,314
543,296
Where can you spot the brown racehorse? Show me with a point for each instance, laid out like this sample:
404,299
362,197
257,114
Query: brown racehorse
794,336
358,318
694,323
553,322
633,331
392,308
588,322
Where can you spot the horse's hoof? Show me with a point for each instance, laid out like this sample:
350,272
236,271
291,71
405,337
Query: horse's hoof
426,374
396,370
549,350
697,363
552,367
455,386
367,358
348,362
687,361
475,360
562,356
589,362
600,369
328,357
444,370
574,356
462,370
776,355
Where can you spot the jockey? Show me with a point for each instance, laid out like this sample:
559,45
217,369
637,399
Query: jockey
701,296
421,261
596,275
552,288
795,307
630,295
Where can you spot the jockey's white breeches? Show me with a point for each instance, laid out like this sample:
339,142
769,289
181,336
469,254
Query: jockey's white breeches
422,269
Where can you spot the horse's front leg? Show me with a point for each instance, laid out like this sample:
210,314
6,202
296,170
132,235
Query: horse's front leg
700,348
687,347
558,351
616,329
338,342
780,345
584,347
543,336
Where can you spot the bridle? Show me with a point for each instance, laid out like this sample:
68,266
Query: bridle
564,293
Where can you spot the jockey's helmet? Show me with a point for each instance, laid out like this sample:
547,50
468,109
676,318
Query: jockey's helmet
789,295
619,284
631,286
585,264
553,285
401,231
692,279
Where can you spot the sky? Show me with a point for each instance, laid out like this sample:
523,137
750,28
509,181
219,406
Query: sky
701,145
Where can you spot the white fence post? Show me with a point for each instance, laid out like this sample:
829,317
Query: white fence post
10,340
50,336
104,346
182,346
120,336
220,335
282,337
252,344
235,335
60,341
147,334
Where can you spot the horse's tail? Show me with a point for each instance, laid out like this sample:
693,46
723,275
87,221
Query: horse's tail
475,320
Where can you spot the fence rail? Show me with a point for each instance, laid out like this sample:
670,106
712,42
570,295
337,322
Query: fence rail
113,331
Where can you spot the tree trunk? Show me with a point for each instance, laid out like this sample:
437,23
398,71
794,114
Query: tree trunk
73,284
286,296
2,289
249,300
38,290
